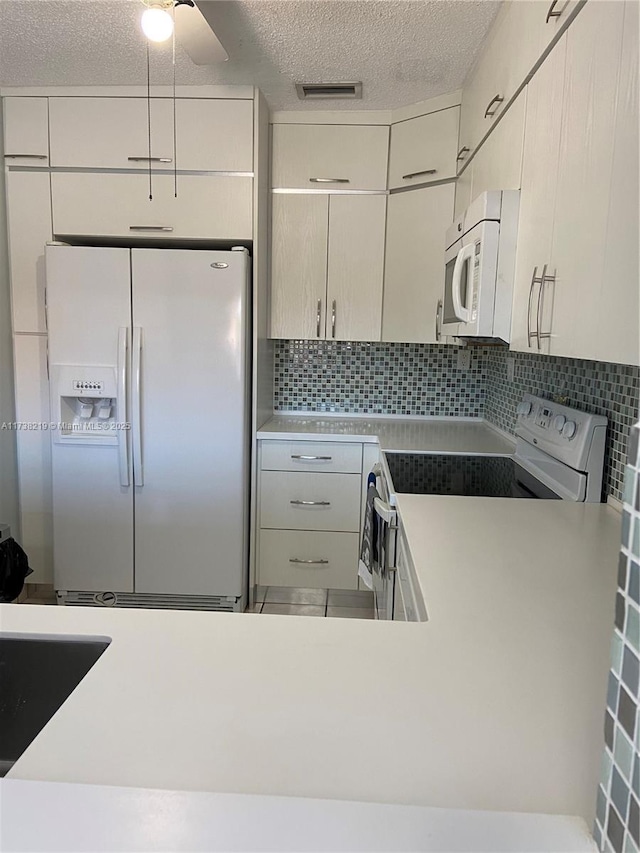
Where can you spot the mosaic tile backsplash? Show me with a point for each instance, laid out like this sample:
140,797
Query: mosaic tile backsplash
380,379
617,824
418,379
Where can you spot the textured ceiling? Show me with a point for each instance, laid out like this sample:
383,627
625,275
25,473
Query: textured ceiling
403,50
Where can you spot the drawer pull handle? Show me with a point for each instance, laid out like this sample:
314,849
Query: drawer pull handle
311,458
150,228
309,562
462,153
489,113
26,156
417,174
150,159
329,180
310,503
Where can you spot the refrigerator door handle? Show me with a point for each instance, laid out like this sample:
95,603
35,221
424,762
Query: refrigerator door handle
123,435
136,425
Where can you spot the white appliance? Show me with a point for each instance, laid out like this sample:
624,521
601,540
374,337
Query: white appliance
149,365
559,455
480,262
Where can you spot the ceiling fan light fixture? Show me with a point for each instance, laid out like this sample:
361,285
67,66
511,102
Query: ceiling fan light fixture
157,23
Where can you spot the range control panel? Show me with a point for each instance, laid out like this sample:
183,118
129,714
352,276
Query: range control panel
562,432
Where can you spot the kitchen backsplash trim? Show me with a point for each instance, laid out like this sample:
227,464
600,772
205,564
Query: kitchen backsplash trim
391,379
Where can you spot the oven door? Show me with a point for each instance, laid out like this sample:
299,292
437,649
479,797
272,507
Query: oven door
470,282
384,583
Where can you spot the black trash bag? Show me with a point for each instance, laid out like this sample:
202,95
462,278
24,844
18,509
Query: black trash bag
14,568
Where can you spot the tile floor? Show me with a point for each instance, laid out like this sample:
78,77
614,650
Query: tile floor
295,601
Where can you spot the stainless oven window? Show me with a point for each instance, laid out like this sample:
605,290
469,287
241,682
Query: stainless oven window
448,314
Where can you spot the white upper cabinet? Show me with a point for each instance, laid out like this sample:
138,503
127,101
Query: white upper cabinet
580,306
26,132
300,233
113,133
29,228
521,33
424,149
314,156
117,205
414,263
327,266
355,267
537,196
498,163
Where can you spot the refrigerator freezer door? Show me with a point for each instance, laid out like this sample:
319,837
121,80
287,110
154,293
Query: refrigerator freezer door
191,512
88,303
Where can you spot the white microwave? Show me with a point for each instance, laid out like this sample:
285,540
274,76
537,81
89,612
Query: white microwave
479,262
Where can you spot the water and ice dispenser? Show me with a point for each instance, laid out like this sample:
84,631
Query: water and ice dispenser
85,404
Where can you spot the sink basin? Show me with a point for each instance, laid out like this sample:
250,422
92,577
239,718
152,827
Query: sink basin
36,676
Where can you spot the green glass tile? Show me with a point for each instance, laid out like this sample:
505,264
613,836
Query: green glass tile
605,769
617,648
635,547
629,845
623,753
633,627
629,482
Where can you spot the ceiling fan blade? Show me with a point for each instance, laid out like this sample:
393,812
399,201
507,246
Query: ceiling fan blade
196,36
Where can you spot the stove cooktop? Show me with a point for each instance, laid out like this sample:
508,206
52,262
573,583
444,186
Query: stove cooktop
477,476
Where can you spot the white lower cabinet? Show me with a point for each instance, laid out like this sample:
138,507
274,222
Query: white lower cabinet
309,501
308,559
117,205
310,520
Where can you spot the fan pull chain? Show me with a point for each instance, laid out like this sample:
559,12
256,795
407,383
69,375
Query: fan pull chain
175,143
149,116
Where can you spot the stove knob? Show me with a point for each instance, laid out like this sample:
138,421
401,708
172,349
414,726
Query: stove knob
524,408
569,429
558,422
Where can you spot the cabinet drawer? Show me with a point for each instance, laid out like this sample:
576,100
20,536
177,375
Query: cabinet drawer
313,456
112,133
309,559
26,132
312,156
117,205
302,501
424,149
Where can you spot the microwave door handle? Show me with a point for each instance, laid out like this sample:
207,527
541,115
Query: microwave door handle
461,311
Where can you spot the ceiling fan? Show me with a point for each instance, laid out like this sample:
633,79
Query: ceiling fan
192,29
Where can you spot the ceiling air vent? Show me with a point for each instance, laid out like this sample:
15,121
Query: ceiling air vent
324,91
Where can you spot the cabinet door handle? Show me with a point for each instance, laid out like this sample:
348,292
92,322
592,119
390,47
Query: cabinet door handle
150,228
318,317
309,562
462,153
417,174
26,156
333,319
310,503
311,458
495,100
543,281
150,159
438,328
534,280
329,180
552,13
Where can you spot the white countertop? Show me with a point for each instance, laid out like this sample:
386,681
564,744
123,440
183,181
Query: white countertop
78,818
419,435
495,703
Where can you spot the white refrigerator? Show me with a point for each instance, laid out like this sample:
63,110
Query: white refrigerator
149,364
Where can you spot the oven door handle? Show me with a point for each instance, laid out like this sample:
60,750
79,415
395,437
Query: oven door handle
386,512
461,311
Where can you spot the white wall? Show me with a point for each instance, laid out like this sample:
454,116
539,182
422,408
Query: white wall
8,465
